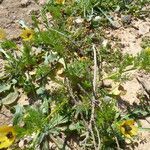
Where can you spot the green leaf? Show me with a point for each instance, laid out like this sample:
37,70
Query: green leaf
4,88
6,55
57,120
8,45
10,99
18,114
75,126
145,129
53,56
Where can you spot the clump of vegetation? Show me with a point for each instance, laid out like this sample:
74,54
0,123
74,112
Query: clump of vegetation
61,67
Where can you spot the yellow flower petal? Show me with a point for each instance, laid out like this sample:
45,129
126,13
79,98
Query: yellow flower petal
27,34
60,1
128,129
2,34
128,136
7,136
129,122
134,131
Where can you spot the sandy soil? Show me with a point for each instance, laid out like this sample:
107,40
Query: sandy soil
130,37
12,11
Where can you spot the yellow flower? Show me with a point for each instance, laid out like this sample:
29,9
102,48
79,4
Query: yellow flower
60,1
27,34
128,128
7,136
2,34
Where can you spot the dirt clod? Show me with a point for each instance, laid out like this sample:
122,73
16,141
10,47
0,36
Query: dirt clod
25,3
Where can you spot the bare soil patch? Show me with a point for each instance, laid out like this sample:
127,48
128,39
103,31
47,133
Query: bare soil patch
12,11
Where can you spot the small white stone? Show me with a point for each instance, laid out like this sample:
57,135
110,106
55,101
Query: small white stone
104,43
21,144
79,20
97,18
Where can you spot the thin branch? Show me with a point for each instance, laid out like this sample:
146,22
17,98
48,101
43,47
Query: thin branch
117,142
5,115
93,136
84,91
147,120
118,147
86,134
100,64
144,85
98,136
95,70
94,97
70,91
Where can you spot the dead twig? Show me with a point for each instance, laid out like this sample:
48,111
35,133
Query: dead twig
70,90
94,97
95,70
145,86
84,91
5,115
98,136
118,147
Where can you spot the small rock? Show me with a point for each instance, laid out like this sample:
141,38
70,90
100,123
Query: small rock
25,3
126,19
97,18
107,99
49,16
42,2
1,1
144,28
107,83
105,43
21,144
116,24
79,20
34,11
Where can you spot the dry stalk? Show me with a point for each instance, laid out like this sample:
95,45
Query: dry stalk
70,91
93,98
118,147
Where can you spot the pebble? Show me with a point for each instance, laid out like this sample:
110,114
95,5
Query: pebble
79,20
25,3
107,83
116,24
33,10
97,18
42,2
1,1
21,144
126,19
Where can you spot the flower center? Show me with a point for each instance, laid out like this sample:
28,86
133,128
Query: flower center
9,135
28,35
127,128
